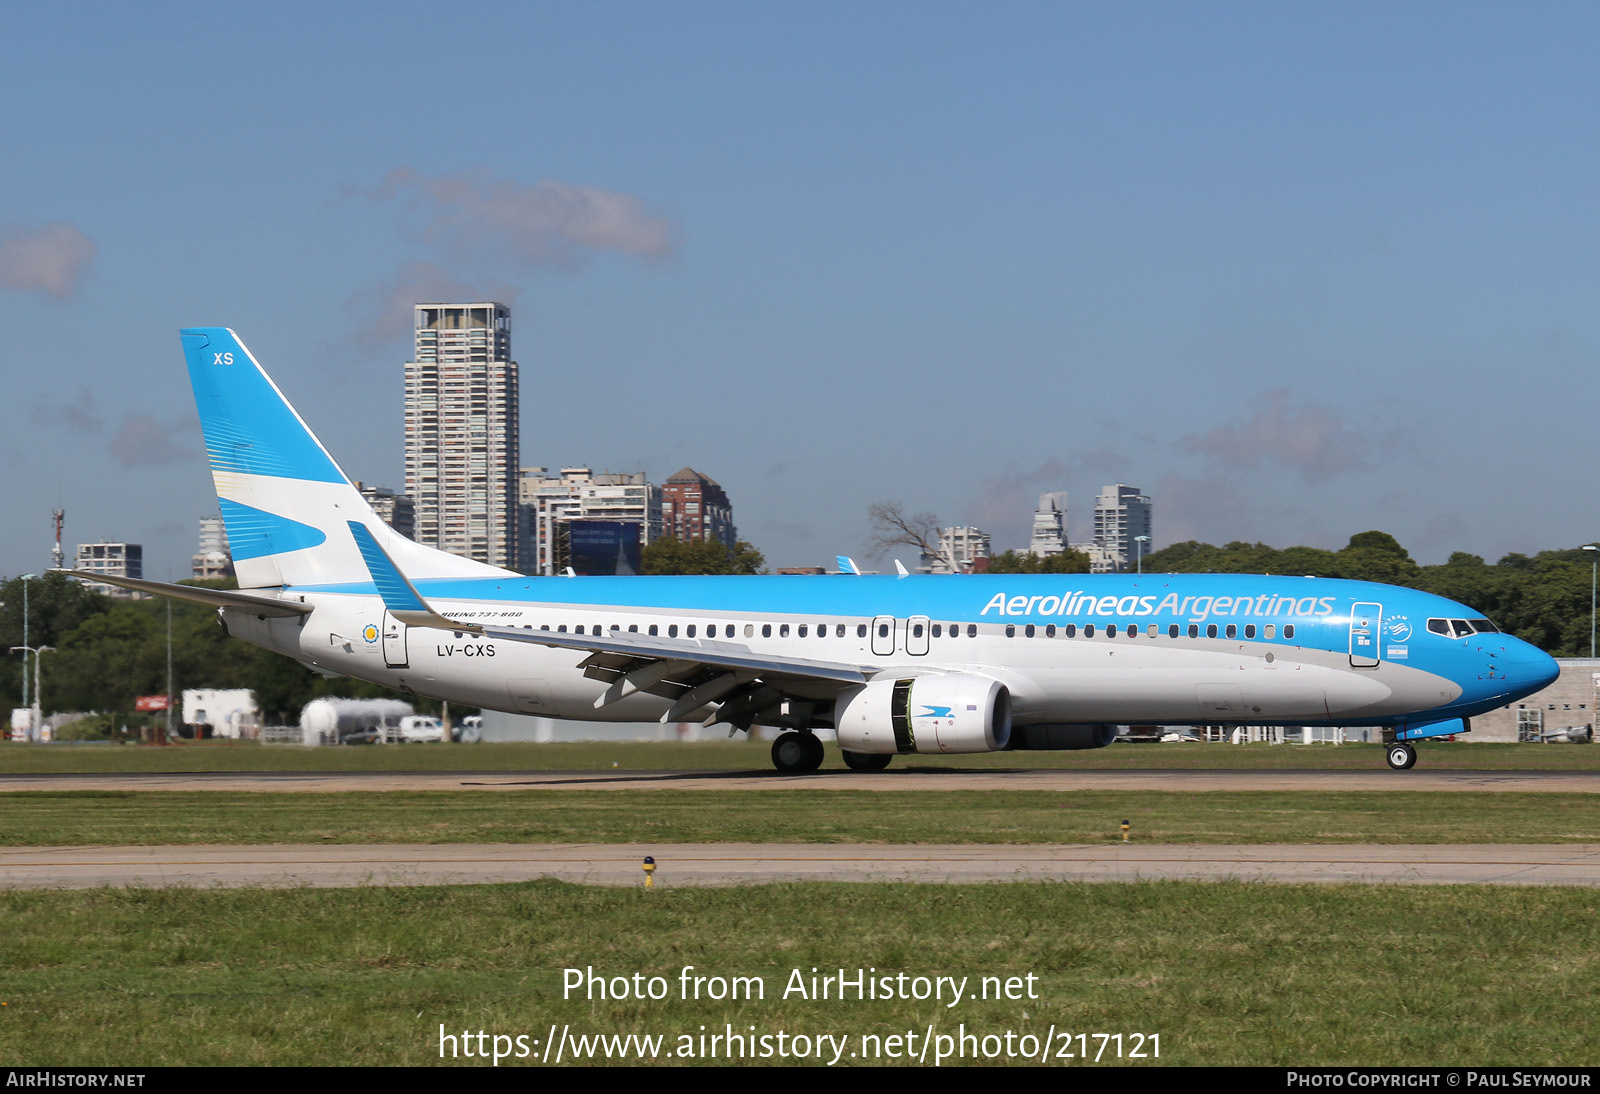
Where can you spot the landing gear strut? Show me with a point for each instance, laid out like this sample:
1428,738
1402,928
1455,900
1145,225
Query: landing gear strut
795,753
1401,756
866,761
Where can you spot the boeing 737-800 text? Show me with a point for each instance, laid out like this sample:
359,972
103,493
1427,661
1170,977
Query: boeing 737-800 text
926,664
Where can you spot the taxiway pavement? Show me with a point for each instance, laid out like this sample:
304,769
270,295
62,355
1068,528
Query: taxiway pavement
344,865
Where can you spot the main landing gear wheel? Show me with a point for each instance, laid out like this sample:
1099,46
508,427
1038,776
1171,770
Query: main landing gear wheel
1401,756
796,753
866,761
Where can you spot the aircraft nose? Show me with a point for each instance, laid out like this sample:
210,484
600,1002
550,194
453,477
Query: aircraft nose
1528,669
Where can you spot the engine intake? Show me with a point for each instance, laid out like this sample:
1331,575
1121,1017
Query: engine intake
929,714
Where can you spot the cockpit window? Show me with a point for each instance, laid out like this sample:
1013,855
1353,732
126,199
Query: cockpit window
1461,628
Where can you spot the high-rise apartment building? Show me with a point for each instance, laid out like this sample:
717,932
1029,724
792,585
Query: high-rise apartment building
462,431
1049,525
213,560
694,506
1121,515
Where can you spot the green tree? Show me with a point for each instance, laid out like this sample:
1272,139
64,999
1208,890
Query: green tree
1021,562
701,556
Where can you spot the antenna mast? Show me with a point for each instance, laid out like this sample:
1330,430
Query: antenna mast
55,554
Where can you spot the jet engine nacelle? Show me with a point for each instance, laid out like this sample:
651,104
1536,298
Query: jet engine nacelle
1062,738
950,713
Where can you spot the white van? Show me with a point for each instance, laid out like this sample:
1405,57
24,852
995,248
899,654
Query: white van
417,728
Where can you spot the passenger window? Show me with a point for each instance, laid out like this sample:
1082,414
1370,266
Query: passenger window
783,630
1152,631
883,630
938,630
972,630
1172,631
839,631
1233,631
1111,630
916,630
1194,630
1050,630
672,631
1249,630
1071,630
1088,630
578,629
562,629
690,631
1028,631
1272,629
1011,630
1288,630
766,630
1211,630
749,630
804,631
861,630
633,628
654,631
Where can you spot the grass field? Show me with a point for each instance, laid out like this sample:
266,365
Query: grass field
1225,973
753,755
82,818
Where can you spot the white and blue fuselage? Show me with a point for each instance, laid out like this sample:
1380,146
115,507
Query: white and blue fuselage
943,664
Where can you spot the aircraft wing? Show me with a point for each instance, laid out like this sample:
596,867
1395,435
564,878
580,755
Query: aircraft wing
260,603
730,679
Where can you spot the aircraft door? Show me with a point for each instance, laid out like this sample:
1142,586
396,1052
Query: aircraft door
394,642
883,635
917,635
1366,623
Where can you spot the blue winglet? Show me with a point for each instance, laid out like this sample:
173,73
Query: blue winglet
398,594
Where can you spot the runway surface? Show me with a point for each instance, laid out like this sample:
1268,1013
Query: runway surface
1583,782
755,863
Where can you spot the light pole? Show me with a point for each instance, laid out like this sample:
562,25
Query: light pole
1594,572
1141,541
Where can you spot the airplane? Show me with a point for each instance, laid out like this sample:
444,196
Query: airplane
892,663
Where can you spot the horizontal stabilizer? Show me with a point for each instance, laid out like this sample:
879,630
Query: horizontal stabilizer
260,603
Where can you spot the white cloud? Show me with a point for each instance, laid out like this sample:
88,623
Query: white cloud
471,218
1313,440
51,260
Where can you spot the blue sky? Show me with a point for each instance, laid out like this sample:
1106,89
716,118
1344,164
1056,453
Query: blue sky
1297,270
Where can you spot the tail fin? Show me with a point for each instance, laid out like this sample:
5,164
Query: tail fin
286,504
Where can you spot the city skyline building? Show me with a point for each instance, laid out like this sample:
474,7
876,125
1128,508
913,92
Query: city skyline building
212,560
398,511
1121,514
694,506
962,544
116,559
462,431
547,500
1049,525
